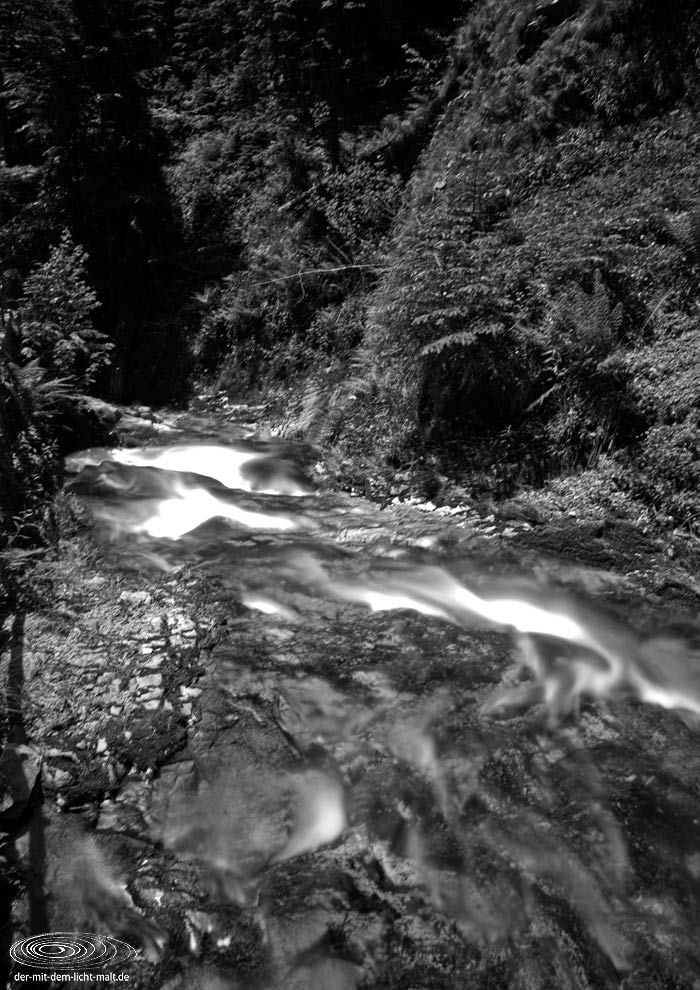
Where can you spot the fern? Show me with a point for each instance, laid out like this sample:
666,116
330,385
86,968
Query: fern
28,461
464,338
685,231
585,325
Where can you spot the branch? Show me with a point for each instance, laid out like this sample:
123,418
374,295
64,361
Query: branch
318,271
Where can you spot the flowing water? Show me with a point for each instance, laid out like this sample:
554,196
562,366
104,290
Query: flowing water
470,776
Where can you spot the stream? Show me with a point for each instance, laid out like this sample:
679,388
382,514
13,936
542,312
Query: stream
293,739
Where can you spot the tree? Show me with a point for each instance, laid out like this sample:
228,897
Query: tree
55,316
77,76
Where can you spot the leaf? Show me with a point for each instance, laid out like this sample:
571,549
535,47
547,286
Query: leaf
464,338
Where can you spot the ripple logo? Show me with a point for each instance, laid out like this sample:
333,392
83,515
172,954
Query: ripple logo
71,950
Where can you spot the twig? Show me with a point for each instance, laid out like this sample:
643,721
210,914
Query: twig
655,309
318,271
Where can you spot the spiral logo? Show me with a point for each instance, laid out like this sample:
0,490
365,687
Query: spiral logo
71,950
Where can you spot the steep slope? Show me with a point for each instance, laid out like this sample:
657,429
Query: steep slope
538,304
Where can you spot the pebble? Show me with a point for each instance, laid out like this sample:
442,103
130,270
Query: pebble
58,777
190,692
151,705
136,597
101,745
155,695
146,681
156,661
115,710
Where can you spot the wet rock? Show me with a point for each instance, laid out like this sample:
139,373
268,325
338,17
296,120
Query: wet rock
136,597
128,812
329,973
153,662
20,770
88,784
83,421
55,778
190,692
146,681
148,741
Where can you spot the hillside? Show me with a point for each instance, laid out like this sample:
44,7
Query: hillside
537,313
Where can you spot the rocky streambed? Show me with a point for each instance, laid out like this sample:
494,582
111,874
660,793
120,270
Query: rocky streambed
280,739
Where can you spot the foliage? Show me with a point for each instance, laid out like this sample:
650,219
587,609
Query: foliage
27,452
668,474
584,376
55,318
468,232
543,242
358,206
74,105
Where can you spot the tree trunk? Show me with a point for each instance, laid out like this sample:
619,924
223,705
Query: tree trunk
335,87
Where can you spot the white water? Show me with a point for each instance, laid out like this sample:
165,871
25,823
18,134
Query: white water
352,717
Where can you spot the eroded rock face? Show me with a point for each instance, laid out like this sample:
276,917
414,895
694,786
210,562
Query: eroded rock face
256,780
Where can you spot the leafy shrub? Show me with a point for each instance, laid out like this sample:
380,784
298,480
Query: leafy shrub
664,375
359,205
670,465
28,460
685,230
54,316
586,378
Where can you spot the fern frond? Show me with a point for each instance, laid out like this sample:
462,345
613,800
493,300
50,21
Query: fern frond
464,338
540,400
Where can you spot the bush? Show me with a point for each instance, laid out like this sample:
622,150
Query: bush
54,318
28,460
670,465
359,205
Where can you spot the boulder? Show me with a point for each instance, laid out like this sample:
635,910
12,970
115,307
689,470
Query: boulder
20,769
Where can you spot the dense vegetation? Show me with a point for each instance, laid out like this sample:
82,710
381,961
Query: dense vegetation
464,235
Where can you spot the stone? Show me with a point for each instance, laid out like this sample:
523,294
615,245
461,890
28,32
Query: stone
20,767
190,692
101,745
146,681
136,597
155,695
57,777
154,663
